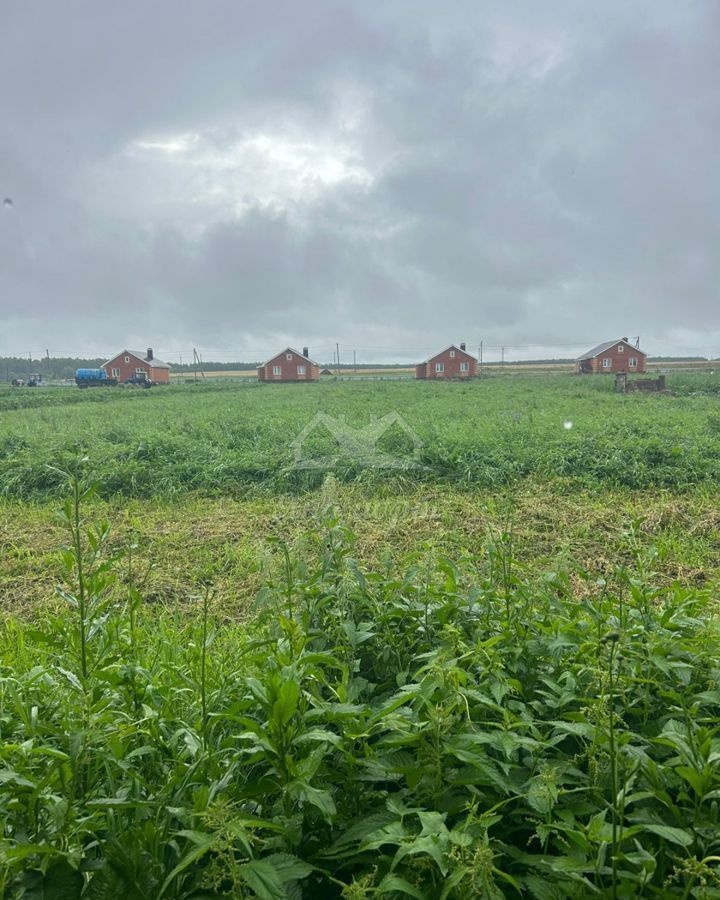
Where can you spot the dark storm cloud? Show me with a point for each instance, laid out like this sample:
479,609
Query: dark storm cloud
233,176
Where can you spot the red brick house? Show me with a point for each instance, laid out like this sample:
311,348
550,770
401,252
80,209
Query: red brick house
452,362
130,364
290,366
610,358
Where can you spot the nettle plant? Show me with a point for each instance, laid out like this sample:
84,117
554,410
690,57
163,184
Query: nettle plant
457,730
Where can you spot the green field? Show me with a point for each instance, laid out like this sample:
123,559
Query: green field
487,667
235,440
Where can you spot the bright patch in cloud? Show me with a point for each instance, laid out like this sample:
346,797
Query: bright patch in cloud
180,144
212,177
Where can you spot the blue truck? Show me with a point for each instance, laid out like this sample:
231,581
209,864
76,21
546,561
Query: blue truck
85,378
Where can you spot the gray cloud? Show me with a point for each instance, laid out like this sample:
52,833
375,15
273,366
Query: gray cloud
237,176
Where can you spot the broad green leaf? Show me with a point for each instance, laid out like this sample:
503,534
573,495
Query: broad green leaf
669,833
347,843
288,867
543,889
9,776
430,844
262,877
318,734
71,677
392,883
203,842
21,851
287,702
695,779
302,792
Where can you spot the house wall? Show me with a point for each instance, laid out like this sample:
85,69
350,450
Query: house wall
288,368
619,361
421,370
451,365
129,369
160,376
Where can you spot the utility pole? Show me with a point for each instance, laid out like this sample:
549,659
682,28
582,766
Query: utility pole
502,357
481,359
337,348
354,362
197,361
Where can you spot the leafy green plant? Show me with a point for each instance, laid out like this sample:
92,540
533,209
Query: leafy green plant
455,729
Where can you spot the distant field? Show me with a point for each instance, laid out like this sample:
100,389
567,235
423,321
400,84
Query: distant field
252,375
517,368
491,368
230,373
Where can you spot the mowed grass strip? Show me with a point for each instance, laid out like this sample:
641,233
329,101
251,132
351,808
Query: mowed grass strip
181,541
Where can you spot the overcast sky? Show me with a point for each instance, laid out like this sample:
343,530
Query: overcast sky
237,176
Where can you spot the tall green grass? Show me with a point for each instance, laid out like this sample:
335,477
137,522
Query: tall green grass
221,440
457,730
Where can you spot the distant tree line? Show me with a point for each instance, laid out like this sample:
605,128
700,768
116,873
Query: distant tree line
57,368
678,359
51,369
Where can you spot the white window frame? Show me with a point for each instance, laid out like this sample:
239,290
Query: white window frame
301,370
127,359
115,373
439,367
607,363
464,366
277,371
140,371
621,348
632,362
452,354
288,356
